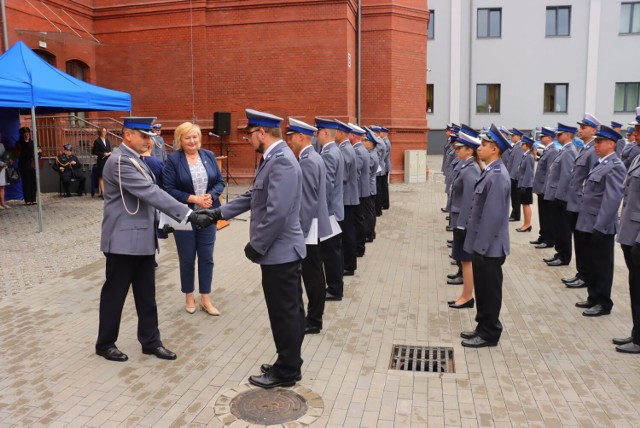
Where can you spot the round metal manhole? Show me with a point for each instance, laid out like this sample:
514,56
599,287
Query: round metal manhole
268,406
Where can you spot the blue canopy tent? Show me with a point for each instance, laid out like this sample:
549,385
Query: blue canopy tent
29,84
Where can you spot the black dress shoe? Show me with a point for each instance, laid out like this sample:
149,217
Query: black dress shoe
455,281
160,352
513,219
549,259
269,380
468,334
542,245
578,283
266,368
112,354
348,273
572,279
310,329
557,262
586,304
478,342
449,245
450,302
444,210
468,304
622,340
537,241
596,311
449,241
449,229
368,239
332,298
528,229
629,348
453,275
447,218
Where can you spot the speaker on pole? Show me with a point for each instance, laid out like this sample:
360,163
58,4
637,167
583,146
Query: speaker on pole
222,122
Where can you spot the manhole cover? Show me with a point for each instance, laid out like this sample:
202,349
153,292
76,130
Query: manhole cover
268,406
422,359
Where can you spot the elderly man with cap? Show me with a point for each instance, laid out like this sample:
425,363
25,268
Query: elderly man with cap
487,239
314,218
331,248
515,157
629,238
362,168
631,148
276,243
371,141
70,168
129,241
159,148
598,221
545,239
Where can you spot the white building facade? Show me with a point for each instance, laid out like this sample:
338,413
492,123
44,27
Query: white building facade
529,63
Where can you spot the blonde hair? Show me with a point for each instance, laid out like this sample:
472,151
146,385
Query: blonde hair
184,129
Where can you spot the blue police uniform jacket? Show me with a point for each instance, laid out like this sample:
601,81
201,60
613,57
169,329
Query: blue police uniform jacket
488,226
629,153
314,188
525,172
334,165
350,177
387,155
603,191
514,161
448,183
557,184
373,171
362,166
461,195
544,163
381,151
274,199
452,170
585,160
629,233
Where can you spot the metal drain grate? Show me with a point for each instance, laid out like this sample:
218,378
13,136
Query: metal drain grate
422,359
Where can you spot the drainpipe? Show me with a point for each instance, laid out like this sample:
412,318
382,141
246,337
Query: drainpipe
359,63
5,37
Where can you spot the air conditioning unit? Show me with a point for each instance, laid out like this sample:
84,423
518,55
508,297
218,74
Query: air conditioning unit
415,166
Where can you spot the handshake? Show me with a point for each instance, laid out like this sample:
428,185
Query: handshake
202,218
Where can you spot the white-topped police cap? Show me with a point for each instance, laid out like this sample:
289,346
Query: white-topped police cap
343,126
296,126
637,121
467,140
494,135
505,130
589,120
375,128
355,129
371,136
157,126
139,123
259,118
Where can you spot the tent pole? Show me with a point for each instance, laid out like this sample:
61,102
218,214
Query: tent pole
37,166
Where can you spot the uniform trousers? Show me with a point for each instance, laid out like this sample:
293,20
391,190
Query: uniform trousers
361,227
515,200
562,230
331,252
581,245
385,192
348,226
283,295
546,220
599,255
487,277
632,259
314,285
370,217
122,271
66,178
380,182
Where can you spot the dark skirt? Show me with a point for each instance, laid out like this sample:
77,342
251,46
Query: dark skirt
526,195
457,251
100,165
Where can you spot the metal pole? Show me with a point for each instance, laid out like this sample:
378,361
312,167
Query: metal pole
37,166
359,64
5,36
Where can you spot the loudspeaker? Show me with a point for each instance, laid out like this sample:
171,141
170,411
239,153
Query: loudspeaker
222,122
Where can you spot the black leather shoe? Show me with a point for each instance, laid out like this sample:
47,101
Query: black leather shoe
578,283
585,304
269,380
596,311
444,210
310,329
449,229
549,259
513,219
449,241
629,348
368,240
537,241
622,340
572,279
468,304
528,229
160,352
478,342
348,273
449,245
447,218
542,245
112,354
468,334
332,298
557,262
266,368
450,302
453,275
455,281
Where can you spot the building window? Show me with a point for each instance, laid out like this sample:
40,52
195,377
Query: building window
489,23
47,56
488,98
80,71
627,97
630,18
558,21
555,97
429,97
432,23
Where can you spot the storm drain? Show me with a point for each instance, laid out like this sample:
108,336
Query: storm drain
422,359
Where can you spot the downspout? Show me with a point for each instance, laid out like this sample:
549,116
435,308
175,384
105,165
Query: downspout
359,63
5,36
471,16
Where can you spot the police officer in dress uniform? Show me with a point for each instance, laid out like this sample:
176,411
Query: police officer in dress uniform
371,142
447,157
506,156
488,239
276,243
629,238
314,218
631,148
159,148
351,200
381,174
69,167
621,142
331,248
515,157
545,239
129,240
362,167
384,134
598,221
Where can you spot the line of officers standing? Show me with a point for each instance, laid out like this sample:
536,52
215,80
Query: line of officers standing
580,184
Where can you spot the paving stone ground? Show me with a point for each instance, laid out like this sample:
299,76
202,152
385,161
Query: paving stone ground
552,367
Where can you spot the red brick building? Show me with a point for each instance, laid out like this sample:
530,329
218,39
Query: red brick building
184,60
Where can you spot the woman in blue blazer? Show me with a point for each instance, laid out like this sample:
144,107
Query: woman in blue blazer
192,176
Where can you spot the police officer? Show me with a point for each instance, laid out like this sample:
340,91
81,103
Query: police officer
488,239
351,200
331,248
631,148
129,240
371,142
70,168
545,239
384,134
515,157
381,173
598,221
159,149
362,167
276,242
448,157
314,218
616,126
